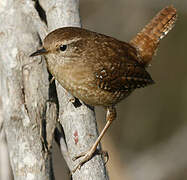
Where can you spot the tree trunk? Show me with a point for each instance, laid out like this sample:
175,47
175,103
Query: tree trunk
30,107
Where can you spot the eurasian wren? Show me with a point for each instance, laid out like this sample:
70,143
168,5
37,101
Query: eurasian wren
101,70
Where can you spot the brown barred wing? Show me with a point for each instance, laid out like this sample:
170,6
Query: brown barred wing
123,76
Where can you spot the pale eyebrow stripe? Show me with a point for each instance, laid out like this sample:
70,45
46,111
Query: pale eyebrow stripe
72,40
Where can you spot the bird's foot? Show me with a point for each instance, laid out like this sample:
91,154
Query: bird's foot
52,79
87,156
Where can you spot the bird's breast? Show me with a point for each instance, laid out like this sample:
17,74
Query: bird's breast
79,79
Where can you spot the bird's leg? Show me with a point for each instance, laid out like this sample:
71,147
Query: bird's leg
110,116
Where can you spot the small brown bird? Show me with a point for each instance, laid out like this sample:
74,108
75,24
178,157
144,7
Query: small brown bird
97,69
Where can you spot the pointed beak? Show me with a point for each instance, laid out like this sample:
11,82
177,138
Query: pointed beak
39,52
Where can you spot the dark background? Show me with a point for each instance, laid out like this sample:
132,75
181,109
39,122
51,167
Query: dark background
148,141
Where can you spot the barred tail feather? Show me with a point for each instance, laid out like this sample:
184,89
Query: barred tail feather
146,42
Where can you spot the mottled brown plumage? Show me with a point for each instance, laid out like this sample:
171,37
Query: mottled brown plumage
95,68
98,69
147,41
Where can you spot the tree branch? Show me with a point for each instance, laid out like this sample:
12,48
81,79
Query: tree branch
5,169
24,86
78,122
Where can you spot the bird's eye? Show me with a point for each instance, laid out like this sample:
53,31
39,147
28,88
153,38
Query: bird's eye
63,47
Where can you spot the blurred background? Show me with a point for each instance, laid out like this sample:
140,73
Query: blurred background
148,141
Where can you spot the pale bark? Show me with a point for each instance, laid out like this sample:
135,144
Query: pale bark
24,91
27,109
79,123
5,169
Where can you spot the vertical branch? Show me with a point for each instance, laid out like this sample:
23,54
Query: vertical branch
24,89
5,169
77,119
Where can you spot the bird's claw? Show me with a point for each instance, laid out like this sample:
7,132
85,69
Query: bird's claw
105,155
87,156
80,155
52,79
